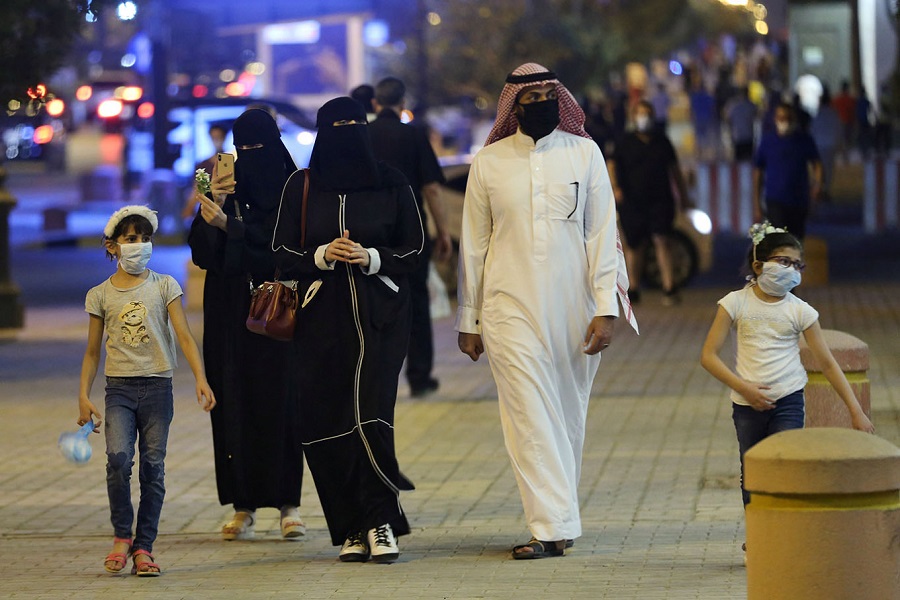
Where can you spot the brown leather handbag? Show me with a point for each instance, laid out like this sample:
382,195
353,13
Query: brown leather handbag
273,310
273,305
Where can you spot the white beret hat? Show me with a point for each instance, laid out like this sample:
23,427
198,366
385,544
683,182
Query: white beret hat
132,209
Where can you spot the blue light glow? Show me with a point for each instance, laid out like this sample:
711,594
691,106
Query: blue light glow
376,33
675,67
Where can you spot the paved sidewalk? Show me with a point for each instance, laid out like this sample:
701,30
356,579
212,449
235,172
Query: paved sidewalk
660,499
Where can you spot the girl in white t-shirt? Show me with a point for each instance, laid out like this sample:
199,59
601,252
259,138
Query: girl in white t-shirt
768,380
139,313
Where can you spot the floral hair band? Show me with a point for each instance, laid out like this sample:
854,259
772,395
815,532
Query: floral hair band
758,231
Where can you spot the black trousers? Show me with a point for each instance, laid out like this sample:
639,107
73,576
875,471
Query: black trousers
420,354
743,151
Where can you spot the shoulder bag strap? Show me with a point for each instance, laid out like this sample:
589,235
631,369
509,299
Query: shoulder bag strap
302,219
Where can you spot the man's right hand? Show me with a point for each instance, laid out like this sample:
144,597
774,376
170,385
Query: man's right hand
443,247
471,345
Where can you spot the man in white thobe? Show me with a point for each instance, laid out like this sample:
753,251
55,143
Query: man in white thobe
540,267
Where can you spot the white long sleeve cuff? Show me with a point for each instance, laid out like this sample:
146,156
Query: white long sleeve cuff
374,262
468,320
320,259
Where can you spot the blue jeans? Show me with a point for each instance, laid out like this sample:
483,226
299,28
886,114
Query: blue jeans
753,426
137,409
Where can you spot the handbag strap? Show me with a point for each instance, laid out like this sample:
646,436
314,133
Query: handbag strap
303,208
303,204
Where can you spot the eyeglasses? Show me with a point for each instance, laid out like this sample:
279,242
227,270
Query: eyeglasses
784,261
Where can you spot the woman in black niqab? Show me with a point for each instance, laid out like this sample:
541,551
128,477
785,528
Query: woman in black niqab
363,237
263,163
342,158
258,456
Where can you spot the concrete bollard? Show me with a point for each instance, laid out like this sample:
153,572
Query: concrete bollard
815,255
824,516
824,408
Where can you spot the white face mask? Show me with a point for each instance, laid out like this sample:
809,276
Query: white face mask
777,280
782,127
642,123
134,257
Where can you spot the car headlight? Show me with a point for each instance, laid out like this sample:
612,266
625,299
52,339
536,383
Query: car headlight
700,220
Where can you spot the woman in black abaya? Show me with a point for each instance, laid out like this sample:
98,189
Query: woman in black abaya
363,236
258,456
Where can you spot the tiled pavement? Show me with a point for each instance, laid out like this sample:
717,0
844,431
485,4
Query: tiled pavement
661,509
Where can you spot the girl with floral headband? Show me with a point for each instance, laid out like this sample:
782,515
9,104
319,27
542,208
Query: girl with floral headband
767,383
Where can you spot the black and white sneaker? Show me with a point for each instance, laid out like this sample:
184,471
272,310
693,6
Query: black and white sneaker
354,549
383,544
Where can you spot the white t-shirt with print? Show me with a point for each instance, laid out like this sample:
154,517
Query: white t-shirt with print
140,340
768,336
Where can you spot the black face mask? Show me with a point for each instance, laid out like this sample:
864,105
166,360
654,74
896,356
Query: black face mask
538,119
342,158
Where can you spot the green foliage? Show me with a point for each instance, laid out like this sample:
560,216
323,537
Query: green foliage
35,39
479,41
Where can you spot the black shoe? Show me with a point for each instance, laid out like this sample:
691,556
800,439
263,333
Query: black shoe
419,390
671,298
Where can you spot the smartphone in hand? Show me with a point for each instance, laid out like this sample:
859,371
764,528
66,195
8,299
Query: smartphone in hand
225,166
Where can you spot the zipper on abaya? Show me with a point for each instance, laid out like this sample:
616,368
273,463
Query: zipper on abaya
362,348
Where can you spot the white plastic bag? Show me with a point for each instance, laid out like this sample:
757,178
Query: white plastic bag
437,294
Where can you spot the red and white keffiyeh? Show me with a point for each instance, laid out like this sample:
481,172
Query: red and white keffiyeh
571,117
571,120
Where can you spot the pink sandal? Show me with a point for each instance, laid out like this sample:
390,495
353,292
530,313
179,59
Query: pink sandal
144,569
119,558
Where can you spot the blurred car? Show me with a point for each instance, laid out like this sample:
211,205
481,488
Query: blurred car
690,243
